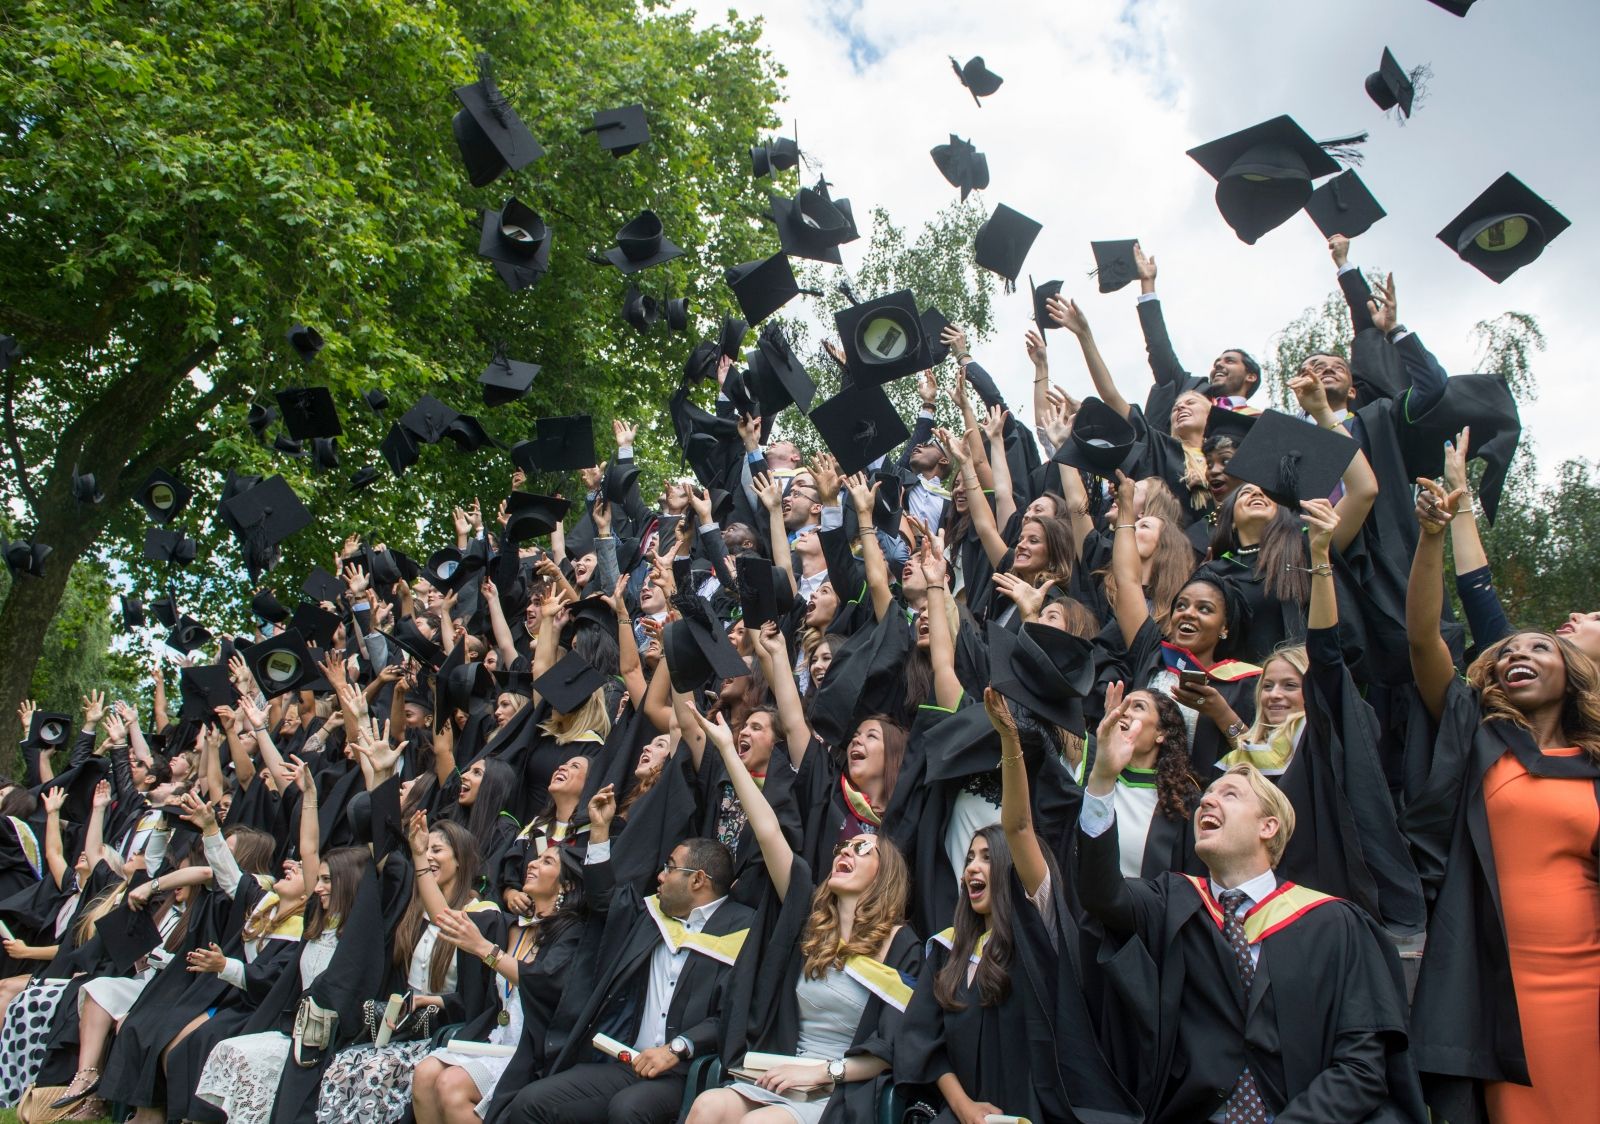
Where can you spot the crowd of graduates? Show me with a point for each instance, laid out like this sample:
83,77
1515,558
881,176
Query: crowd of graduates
1131,767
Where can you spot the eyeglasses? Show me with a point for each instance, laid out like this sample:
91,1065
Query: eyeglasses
859,847
668,868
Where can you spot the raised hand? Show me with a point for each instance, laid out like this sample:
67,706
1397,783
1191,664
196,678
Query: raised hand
1028,599
954,338
1000,716
603,808
94,708
601,514
1322,521
928,389
931,560
954,447
356,578
1312,396
700,501
1339,250
994,426
767,490
623,432
825,471
1435,506
417,837
1038,351
863,495
25,713
1385,311
102,796
750,432
1144,267
1455,460
54,800
1068,315
197,812
208,959
717,733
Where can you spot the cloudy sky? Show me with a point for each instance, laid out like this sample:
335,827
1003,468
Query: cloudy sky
1103,97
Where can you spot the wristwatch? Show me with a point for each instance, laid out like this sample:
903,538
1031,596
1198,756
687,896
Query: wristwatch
682,1048
836,1071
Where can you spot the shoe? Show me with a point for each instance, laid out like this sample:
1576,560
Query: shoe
90,1108
85,1083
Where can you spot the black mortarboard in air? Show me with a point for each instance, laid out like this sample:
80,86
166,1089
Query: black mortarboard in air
641,244
979,80
376,399
49,728
779,153
813,224
517,240
889,505
1003,242
268,513
1344,206
859,424
169,545
882,338
620,130
1455,7
1483,402
236,484
569,684
308,411
399,449
364,477
24,557
187,635
320,585
282,664
163,496
1292,460
132,612
315,623
388,566
677,312
488,131
962,164
306,342
1389,85
468,433
205,687
288,446
1114,263
1041,295
530,516
702,363
762,287
505,379
128,936
428,420
640,309
260,419
697,647
265,604
324,454
758,591
165,610
1263,174
776,375
934,323
85,488
1044,669
617,481
1503,229
564,444
730,338
1102,440
450,571
409,639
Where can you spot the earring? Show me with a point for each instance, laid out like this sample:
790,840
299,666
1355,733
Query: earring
561,899
1224,634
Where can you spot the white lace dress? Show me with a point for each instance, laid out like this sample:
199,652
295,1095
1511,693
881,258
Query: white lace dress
241,1074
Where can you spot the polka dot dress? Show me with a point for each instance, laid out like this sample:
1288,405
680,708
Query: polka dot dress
28,1023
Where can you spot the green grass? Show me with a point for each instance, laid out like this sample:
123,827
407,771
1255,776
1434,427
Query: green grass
9,1116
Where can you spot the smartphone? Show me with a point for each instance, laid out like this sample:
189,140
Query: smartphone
1192,680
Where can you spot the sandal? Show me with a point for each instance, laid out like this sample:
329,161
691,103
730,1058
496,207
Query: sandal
85,1083
90,1108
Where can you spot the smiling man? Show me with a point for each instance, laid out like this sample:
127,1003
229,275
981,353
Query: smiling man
1272,1001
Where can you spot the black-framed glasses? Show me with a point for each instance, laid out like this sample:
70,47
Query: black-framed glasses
668,868
860,847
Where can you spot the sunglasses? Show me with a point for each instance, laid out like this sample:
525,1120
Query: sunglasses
859,847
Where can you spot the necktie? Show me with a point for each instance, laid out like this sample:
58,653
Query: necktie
1244,1103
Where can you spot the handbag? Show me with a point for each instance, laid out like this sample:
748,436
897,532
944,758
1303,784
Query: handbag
314,1029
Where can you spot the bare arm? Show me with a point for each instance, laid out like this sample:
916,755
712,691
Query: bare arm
244,769
433,900
1360,485
775,848
1430,657
503,643
1069,316
941,643
771,496
629,665
871,553
444,753
1005,498
779,669
310,829
657,705
1016,810
983,521
688,717
1129,605
1323,523
54,855
94,834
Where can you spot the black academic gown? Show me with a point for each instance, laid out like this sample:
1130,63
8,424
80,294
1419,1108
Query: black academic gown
1323,1028
762,1011
1464,1013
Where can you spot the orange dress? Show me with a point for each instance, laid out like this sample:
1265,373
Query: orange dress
1543,831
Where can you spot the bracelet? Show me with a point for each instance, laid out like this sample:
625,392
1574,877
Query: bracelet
1011,760
1127,526
1321,569
960,355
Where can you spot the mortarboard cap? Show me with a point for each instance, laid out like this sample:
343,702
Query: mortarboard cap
563,444
320,585
889,505
287,445
163,496
776,375
1263,174
859,424
979,80
882,338
1344,206
169,545
314,623
530,516
165,610
758,591
517,240
730,339
409,638
187,635
85,489
641,244
1114,264
468,433
569,684
505,380
128,936
961,164
677,311
305,341
702,362
1503,229
265,604
1389,85
365,476
1003,242
205,687
696,646
934,323
618,481
399,449
640,310
25,558
813,225
620,130
1045,669
268,513
376,399
1229,425
49,728
762,287
779,153
132,612
514,681
1041,295
308,412
491,136
236,484
324,454
1292,460
282,664
1102,440
260,418
1455,7
428,420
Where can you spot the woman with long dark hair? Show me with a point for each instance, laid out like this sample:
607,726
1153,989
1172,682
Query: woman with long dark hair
1504,1023
1157,793
557,822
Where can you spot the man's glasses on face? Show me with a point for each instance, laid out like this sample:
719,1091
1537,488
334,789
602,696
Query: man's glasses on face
668,868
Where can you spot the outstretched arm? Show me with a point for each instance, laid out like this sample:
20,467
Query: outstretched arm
983,521
864,496
1016,807
1069,316
1430,657
775,848
941,644
779,670
1129,603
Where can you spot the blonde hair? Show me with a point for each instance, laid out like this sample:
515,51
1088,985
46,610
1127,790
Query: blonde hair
591,717
1296,657
1274,805
878,913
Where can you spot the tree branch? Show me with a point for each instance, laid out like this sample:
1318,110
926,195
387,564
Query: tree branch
16,446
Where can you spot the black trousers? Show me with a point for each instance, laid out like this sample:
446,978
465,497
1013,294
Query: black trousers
599,1093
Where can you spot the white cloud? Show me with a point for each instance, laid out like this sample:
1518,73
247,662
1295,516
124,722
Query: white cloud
1101,99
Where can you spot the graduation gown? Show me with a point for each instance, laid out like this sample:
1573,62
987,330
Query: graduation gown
1323,1028
762,1011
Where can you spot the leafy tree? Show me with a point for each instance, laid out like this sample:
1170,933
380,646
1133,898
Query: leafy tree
184,181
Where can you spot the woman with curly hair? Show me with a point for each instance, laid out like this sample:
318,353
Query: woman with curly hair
821,978
1503,829
1157,792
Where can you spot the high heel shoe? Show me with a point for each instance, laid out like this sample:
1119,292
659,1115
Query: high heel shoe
85,1083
